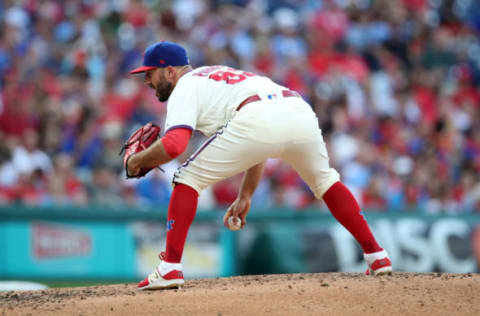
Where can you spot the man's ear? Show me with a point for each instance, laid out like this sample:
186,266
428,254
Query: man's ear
170,73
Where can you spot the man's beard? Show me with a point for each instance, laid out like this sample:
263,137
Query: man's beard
163,91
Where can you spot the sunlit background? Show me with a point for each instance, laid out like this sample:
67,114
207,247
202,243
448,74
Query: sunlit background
394,83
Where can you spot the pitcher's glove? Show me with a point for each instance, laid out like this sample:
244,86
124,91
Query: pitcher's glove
139,141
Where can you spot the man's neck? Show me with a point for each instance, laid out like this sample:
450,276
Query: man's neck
185,69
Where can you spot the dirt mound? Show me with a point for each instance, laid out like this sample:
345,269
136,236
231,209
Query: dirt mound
286,294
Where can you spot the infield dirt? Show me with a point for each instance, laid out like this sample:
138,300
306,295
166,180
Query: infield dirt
286,294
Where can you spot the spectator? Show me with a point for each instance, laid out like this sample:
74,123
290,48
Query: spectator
395,86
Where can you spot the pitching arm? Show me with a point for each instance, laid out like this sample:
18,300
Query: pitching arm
250,181
241,206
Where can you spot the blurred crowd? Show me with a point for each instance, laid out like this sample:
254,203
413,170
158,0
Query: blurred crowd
394,83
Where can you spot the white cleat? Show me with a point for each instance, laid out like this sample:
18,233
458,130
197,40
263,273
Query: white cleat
378,263
166,275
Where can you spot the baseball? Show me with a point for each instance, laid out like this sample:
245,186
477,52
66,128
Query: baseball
234,223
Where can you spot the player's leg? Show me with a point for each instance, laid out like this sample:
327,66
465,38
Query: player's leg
225,154
346,210
310,160
181,212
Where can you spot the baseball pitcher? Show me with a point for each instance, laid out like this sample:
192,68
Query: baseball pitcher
249,119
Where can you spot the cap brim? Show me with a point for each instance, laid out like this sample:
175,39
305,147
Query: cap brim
142,69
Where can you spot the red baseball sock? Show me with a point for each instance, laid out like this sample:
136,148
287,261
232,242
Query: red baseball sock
181,212
346,210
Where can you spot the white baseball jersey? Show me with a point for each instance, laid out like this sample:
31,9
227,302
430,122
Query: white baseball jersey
206,98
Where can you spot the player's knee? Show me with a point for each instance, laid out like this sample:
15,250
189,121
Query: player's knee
325,182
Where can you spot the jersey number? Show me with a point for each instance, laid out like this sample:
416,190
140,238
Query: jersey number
229,75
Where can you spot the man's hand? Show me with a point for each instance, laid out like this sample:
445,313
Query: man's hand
132,168
239,208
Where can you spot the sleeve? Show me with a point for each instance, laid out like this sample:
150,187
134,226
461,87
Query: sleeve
175,141
182,107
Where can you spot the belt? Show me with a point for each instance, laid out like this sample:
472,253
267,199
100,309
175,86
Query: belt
254,98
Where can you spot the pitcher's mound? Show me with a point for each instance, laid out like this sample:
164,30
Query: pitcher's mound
286,294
